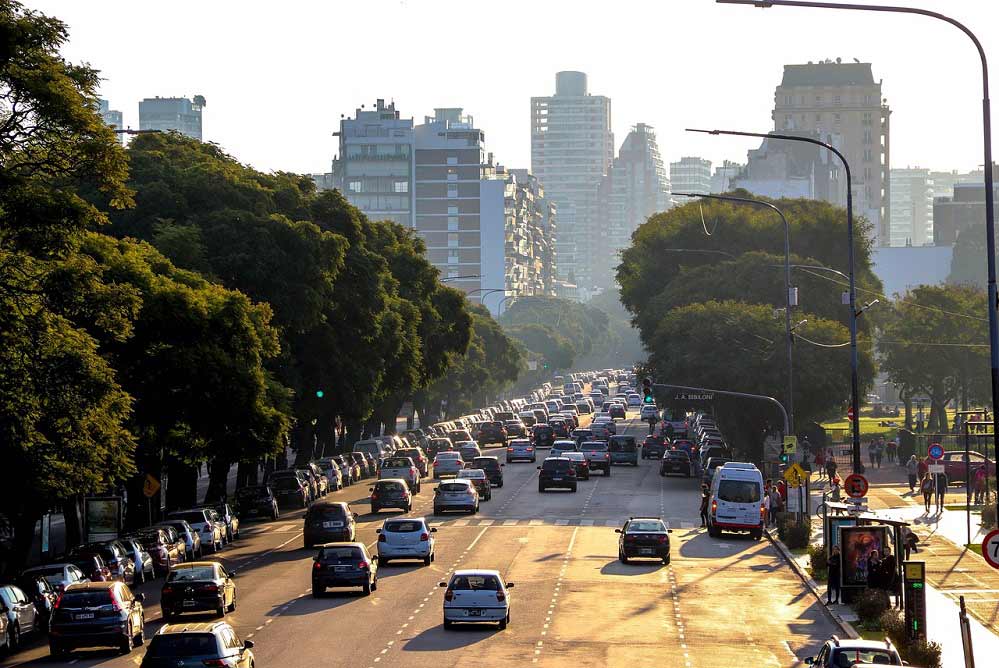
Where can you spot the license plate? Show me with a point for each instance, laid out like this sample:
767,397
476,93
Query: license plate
85,615
332,525
341,568
556,479
473,613
188,604
645,550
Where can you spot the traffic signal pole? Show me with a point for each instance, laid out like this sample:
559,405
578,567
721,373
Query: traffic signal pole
744,395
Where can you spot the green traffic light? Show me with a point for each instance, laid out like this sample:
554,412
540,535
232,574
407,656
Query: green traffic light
319,394
649,399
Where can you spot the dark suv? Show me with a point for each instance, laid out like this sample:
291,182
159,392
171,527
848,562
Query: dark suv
491,432
653,447
557,472
97,614
328,521
492,467
257,501
676,461
198,644
543,436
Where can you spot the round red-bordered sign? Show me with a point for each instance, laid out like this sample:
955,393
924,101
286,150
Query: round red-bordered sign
936,451
855,486
990,548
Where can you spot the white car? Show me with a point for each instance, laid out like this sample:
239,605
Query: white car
562,446
59,576
634,400
406,538
448,463
649,413
474,596
520,448
480,480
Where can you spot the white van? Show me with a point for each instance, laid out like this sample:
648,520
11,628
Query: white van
375,447
736,500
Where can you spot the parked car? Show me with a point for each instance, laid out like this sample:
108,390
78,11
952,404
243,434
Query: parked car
492,467
93,566
164,551
366,466
315,472
278,476
198,644
97,614
406,538
344,564
144,568
956,466
349,471
42,594
119,565
22,616
228,517
206,523
476,596
257,501
327,521
190,536
196,587
456,495
59,576
289,491
331,469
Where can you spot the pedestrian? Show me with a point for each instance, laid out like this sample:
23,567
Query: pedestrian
910,542
776,503
889,573
835,487
979,482
924,468
912,468
830,466
834,569
766,506
872,452
891,450
705,494
820,462
879,450
940,483
874,570
926,487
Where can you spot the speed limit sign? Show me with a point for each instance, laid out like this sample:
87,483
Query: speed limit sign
990,548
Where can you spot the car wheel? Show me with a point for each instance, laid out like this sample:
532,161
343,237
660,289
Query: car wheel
666,560
318,591
366,588
13,637
374,584
448,624
427,559
220,611
375,508
503,623
623,559
127,643
140,639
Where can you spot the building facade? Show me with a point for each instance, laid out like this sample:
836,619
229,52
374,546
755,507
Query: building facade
954,215
112,117
791,169
690,175
172,113
572,148
721,180
635,188
844,105
375,169
911,207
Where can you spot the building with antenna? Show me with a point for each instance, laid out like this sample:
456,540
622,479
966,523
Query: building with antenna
172,113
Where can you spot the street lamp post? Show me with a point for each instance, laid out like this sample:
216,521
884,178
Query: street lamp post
458,278
858,466
789,341
990,233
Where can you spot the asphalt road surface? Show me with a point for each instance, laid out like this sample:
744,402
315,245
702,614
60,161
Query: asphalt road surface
721,602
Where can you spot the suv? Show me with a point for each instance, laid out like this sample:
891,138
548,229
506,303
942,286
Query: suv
391,493
327,521
198,643
836,653
557,472
543,436
203,521
597,455
653,447
491,432
97,614
492,467
257,501
623,450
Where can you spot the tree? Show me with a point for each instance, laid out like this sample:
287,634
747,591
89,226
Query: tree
553,348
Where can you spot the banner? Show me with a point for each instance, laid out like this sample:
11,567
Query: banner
857,544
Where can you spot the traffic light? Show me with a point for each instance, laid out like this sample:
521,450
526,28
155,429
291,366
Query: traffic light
647,391
319,394
545,365
785,458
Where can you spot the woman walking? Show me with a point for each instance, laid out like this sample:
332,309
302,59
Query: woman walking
835,568
926,487
912,468
820,462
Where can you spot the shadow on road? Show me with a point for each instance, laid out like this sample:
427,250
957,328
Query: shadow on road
704,546
436,639
632,568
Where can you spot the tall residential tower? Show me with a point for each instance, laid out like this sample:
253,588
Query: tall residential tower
172,113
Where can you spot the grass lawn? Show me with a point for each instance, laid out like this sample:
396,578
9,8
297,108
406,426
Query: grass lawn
975,510
868,426
976,548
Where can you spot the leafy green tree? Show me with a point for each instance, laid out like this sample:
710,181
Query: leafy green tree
553,348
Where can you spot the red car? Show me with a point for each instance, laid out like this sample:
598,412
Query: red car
956,467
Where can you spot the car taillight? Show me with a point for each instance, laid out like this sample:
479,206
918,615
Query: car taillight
211,587
116,601
714,507
663,539
214,662
606,455
167,589
763,510
381,538
363,565
449,595
412,470
500,596
424,536
316,566
58,601
374,496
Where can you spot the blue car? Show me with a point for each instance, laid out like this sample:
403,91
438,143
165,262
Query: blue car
623,450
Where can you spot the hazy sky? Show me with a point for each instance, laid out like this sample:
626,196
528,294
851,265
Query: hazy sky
278,75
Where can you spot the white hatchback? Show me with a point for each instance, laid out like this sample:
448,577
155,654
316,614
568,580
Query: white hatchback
406,538
475,596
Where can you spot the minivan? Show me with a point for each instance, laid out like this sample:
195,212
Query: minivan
736,500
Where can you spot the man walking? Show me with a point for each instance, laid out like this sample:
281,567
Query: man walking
835,567
767,502
704,505
912,468
926,487
979,485
941,481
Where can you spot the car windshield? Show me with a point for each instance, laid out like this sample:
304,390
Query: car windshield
645,526
192,573
285,483
397,463
475,583
389,486
86,599
555,465
487,464
449,455
848,657
337,553
193,517
739,491
679,454
403,527
251,492
626,444
453,487
53,576
183,644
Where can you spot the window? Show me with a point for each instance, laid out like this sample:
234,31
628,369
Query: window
818,118
354,186
402,186
818,100
452,257
452,223
836,100
836,118
866,118
867,136
867,173
739,491
868,157
452,239
452,160
788,100
452,211
452,192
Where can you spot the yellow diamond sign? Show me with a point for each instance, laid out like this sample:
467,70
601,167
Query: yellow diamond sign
150,486
795,475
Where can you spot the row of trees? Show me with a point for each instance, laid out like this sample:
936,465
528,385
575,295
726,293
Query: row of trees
165,305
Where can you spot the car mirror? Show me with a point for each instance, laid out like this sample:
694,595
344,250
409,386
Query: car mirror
232,573
669,531
539,468
378,530
433,529
247,644
140,597
509,585
437,490
617,531
810,660
442,584
355,515
371,489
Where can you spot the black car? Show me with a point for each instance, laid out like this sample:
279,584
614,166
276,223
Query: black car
653,447
543,436
491,432
644,537
617,411
438,445
97,614
557,472
41,593
328,521
560,427
257,501
492,467
391,493
344,565
289,491
198,586
198,644
676,461
582,435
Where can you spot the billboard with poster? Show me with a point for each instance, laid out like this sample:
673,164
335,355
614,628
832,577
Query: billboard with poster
102,518
856,545
834,524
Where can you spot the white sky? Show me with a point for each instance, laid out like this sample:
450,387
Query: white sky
277,76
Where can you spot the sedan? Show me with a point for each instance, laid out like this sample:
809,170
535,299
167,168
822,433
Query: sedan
258,501
198,644
646,537
408,538
456,495
448,463
476,596
198,586
480,480
344,565
579,461
391,493
676,461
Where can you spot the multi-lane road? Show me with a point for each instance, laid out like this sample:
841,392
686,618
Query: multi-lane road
721,602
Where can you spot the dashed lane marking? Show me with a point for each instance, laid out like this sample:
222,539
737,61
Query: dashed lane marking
555,593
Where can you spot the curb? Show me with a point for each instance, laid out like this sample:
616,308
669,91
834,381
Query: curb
812,585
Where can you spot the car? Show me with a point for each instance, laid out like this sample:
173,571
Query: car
649,412
115,558
365,466
331,469
480,480
345,564
391,493
653,447
21,613
448,463
598,455
8,642
469,450
617,412
289,492
187,533
198,644
438,445
557,472
157,541
420,459
198,586
710,466
418,438
41,594
458,435
646,537
92,564
561,426
560,447
492,431
474,595
373,446
97,614
456,495
327,521
514,428
736,496
207,523
406,538
956,465
144,567
623,450
522,449
836,653
578,460
59,576
228,517
634,400
584,407
258,501
676,461
543,436
492,467
400,468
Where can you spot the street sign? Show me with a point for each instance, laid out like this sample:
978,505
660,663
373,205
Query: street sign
150,486
990,548
795,475
936,451
849,414
936,468
855,486
790,445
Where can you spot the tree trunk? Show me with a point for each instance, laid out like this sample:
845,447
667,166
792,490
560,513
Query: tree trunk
907,403
182,492
246,474
218,479
305,442
24,538
353,435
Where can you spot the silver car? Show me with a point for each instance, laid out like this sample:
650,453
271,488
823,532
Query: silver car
406,538
448,463
191,536
520,448
458,494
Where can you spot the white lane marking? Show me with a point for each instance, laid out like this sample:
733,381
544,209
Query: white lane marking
558,585
509,523
461,523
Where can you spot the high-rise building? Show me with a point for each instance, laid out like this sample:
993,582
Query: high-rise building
572,147
172,113
911,207
635,188
112,117
376,167
780,168
843,104
954,215
944,182
721,180
690,175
